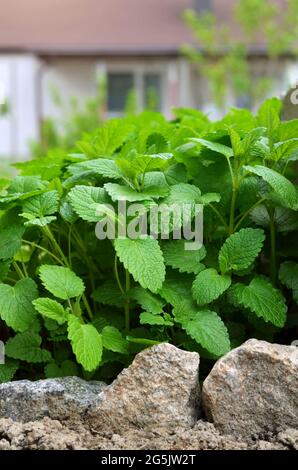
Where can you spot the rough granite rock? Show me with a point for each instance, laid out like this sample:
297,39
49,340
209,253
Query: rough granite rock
159,390
253,390
64,398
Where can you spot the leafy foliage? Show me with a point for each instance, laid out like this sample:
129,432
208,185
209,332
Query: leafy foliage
75,303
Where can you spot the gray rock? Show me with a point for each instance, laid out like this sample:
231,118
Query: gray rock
64,398
253,390
159,390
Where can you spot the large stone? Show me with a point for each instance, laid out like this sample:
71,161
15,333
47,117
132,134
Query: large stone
253,390
64,398
159,390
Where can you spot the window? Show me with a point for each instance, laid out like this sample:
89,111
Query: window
152,91
119,86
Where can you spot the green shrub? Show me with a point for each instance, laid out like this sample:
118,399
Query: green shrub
73,304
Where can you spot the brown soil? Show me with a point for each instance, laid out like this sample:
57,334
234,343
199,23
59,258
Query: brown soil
48,434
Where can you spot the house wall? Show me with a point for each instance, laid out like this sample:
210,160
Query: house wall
19,78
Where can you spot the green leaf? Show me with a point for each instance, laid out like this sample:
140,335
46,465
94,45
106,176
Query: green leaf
241,249
10,241
215,147
42,205
281,185
86,343
51,309
149,302
183,193
268,115
67,369
143,259
85,200
205,327
288,275
102,166
26,347
113,340
118,192
186,261
111,136
39,222
209,285
61,282
176,288
67,213
16,307
8,370
261,298
147,318
108,294
4,268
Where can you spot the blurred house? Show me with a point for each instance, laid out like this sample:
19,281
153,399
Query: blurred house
69,43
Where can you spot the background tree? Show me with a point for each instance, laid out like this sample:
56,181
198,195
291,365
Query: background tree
223,59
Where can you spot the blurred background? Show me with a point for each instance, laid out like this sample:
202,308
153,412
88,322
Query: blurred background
67,65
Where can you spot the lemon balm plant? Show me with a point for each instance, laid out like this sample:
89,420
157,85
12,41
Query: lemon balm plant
71,304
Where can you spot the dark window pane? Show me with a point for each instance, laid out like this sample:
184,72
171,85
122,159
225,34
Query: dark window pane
119,86
152,91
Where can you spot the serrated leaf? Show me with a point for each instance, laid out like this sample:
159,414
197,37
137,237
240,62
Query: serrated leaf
268,115
26,347
241,249
205,327
8,370
16,307
42,205
288,275
86,343
10,241
113,340
143,259
61,282
51,309
67,213
147,318
85,200
176,288
149,302
111,136
183,193
101,166
261,298
281,185
215,147
186,261
39,222
125,193
108,294
209,285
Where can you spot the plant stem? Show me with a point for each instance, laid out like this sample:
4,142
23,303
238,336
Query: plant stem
35,245
243,217
219,216
18,270
87,306
126,304
232,211
117,275
56,245
273,261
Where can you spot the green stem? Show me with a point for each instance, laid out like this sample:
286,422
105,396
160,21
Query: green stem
87,306
56,245
219,216
246,214
273,261
18,270
126,304
232,211
35,245
117,275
